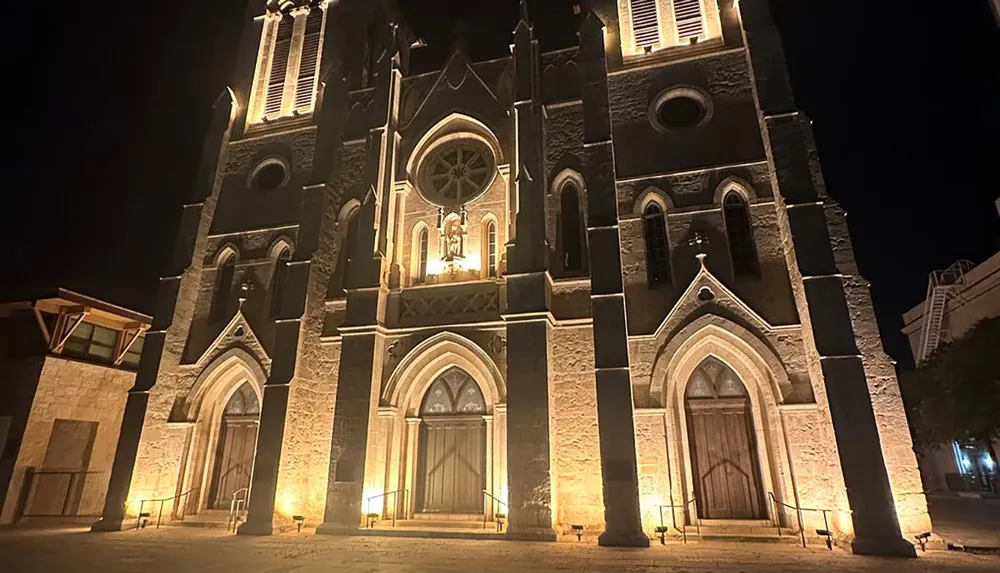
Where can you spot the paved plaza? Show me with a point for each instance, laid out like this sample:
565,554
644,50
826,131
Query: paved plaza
190,550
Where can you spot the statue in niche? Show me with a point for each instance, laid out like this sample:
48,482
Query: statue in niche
454,240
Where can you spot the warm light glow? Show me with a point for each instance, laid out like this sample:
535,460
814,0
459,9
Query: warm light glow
439,267
372,501
504,492
287,502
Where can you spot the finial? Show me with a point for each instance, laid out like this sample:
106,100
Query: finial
245,290
700,243
460,31
524,11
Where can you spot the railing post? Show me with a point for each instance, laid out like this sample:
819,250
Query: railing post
802,529
159,514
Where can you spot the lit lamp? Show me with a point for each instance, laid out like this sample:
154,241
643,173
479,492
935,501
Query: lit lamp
372,518
299,521
578,529
828,535
922,540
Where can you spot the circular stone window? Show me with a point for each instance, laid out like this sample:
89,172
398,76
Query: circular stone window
457,172
680,108
269,174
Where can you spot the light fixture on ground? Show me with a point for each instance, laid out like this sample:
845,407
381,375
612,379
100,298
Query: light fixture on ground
299,521
578,529
661,532
922,540
828,537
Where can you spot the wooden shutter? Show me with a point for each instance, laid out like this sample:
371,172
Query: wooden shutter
279,67
690,23
645,24
306,86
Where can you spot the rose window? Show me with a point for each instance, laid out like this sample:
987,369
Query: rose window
458,172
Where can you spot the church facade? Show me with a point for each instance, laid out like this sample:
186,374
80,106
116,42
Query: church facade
599,286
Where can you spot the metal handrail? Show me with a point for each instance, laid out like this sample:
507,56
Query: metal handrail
395,504
159,515
498,503
234,509
673,517
798,514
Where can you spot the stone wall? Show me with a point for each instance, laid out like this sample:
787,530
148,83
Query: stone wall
576,457
73,390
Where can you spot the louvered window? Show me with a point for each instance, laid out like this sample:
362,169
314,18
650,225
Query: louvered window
279,67
306,87
645,23
690,22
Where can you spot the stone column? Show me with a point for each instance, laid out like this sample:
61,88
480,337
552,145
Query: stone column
529,464
614,383
174,301
409,477
819,252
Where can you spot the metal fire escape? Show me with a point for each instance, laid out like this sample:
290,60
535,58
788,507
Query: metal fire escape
942,286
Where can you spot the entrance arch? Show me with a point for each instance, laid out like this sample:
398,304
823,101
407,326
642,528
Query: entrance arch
226,396
451,470
724,456
394,478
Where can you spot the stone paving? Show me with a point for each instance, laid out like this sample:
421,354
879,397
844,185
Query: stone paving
969,522
177,550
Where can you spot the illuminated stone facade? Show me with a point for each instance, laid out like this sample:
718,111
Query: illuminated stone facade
576,230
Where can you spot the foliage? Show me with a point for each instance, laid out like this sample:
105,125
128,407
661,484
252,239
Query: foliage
954,395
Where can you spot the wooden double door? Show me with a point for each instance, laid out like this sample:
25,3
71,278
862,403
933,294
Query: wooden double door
724,459
233,460
451,467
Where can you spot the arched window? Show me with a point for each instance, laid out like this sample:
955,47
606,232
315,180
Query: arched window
657,251
243,402
740,235
571,236
223,285
453,392
422,246
278,282
490,235
343,269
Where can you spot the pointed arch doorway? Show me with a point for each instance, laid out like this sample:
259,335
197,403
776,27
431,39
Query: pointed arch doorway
236,446
451,467
723,445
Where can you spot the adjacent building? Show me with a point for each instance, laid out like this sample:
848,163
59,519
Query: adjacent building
597,285
67,362
957,298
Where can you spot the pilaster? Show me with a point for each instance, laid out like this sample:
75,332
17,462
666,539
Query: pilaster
529,463
826,273
363,346
171,313
614,383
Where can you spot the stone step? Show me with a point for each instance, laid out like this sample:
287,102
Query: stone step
434,524
213,518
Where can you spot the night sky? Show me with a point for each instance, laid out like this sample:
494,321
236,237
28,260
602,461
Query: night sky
107,132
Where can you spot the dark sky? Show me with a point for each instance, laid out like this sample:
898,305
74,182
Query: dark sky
109,128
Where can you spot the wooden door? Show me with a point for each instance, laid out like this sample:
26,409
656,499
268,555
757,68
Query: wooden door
233,460
724,459
452,466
